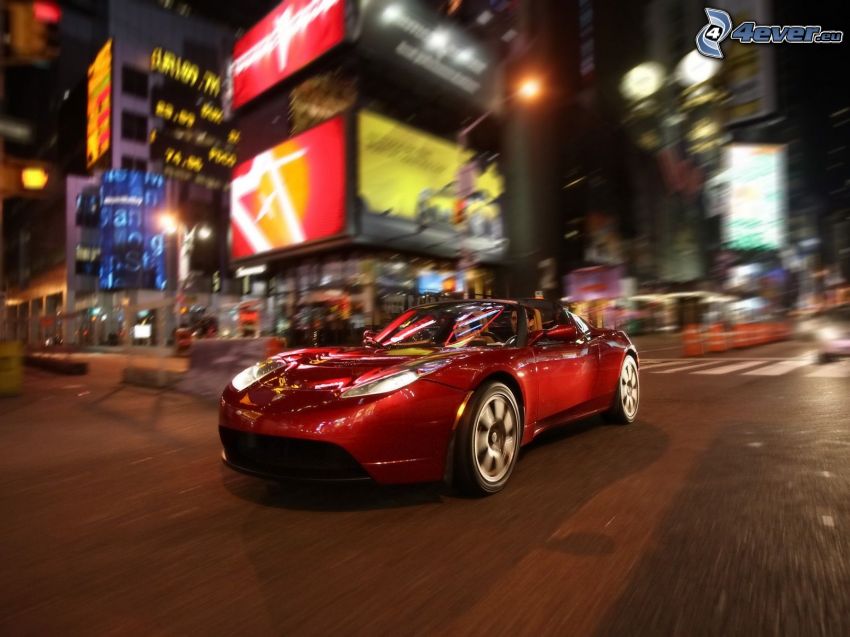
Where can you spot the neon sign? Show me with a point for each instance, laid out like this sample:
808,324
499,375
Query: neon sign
99,109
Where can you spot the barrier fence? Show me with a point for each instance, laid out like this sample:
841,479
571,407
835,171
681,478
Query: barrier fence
698,340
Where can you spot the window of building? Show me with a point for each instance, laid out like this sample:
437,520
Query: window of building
134,82
134,126
133,163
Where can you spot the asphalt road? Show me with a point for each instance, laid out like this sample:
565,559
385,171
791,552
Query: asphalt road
723,511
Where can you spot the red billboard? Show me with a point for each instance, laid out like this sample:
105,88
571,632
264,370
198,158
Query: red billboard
295,33
290,194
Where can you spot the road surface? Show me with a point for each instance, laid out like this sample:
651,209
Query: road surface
723,511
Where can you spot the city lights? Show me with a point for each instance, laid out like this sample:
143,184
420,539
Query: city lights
169,223
642,81
530,89
695,69
34,178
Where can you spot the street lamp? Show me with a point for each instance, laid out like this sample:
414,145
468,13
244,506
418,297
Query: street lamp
169,223
186,238
528,90
642,81
696,68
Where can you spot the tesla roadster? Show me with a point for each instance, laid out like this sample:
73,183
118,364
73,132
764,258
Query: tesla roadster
448,391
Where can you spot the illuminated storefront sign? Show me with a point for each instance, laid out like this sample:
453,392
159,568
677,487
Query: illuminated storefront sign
99,109
755,216
132,246
185,71
404,172
290,194
294,34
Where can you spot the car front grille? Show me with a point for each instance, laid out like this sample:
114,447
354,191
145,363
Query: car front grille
275,456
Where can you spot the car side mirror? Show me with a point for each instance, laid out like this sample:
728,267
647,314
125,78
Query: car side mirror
559,333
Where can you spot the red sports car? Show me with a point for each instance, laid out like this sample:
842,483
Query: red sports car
448,391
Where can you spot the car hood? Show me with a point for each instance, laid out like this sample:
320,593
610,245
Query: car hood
335,369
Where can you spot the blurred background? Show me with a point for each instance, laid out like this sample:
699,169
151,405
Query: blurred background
177,170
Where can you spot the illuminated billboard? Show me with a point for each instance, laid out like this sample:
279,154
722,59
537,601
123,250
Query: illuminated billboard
292,35
404,172
99,108
755,216
192,138
132,247
290,194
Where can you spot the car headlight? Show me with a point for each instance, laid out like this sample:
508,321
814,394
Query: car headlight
248,377
395,380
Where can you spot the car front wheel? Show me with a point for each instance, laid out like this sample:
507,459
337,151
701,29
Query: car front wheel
487,443
627,397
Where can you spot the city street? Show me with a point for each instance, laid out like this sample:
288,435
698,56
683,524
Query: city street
722,511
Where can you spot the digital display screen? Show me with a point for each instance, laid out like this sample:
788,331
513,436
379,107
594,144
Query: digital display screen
132,246
405,172
755,215
432,282
193,138
292,35
290,194
99,108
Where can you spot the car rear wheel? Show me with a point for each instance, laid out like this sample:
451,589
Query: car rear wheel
627,398
487,443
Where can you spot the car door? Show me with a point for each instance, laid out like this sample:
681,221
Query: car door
566,372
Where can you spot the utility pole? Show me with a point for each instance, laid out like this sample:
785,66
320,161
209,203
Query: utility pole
3,334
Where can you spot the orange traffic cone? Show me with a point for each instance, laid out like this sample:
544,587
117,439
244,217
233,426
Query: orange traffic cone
717,339
691,341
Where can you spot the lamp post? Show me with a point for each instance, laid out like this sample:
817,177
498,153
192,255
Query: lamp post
668,111
528,90
185,238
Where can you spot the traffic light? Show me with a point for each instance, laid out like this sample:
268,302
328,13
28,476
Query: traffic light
33,178
23,178
34,30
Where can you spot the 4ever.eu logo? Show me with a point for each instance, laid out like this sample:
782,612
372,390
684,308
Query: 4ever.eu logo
720,27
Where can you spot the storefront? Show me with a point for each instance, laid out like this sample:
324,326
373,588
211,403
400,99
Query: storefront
332,299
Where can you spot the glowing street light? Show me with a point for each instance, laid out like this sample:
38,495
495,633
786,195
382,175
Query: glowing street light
695,69
204,232
530,89
34,178
642,81
168,222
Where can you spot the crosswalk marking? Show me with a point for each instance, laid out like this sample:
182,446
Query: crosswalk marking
778,369
685,368
657,364
831,370
765,367
728,369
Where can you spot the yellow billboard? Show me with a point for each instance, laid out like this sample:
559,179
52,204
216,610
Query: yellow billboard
99,109
404,172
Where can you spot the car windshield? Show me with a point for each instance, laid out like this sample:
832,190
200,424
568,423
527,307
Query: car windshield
472,324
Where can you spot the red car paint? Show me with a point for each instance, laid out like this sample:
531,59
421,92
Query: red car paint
404,436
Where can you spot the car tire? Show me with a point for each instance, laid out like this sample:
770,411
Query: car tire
627,397
487,441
